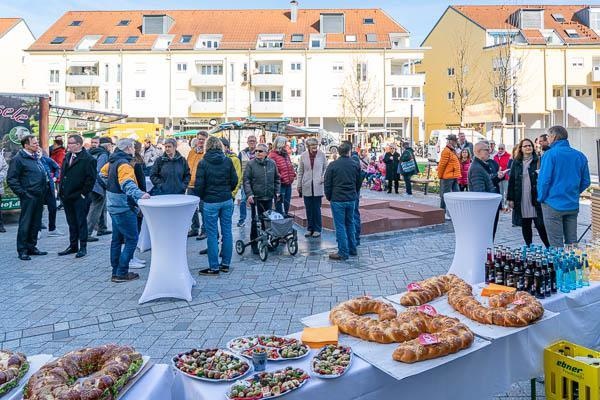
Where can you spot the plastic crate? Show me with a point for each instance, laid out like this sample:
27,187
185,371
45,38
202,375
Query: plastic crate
567,378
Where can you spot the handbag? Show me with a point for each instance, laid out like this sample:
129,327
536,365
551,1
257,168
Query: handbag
408,166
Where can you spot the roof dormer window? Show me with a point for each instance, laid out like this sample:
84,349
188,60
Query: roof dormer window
208,42
110,40
297,37
558,17
531,19
131,39
317,41
332,23
270,42
185,39
75,23
350,38
572,33
156,24
58,40
123,22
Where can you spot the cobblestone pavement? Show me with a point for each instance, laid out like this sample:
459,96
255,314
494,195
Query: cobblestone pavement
55,304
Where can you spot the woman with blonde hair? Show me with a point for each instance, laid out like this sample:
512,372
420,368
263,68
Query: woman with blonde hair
286,172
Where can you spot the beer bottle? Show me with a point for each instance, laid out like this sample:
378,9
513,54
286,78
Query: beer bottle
506,271
528,276
538,280
499,274
546,275
552,273
489,264
518,280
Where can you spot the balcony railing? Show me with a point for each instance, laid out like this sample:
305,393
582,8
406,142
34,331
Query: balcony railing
207,107
82,80
267,79
272,107
207,80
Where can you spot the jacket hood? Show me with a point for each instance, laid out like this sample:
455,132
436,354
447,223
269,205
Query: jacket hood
119,154
214,156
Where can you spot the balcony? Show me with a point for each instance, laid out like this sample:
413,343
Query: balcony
267,79
596,73
82,80
208,80
406,80
272,107
207,107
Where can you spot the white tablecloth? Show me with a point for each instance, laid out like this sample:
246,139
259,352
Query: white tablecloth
154,385
479,375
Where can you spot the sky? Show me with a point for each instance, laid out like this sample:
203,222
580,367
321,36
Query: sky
418,16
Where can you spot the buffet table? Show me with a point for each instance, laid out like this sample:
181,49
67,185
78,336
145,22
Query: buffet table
153,385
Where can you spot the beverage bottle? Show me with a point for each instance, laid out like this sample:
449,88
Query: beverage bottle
489,264
506,270
499,270
564,275
571,275
546,278
552,273
538,280
518,280
528,276
586,270
578,272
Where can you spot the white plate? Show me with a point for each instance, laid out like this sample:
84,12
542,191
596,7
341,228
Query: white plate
239,352
246,383
332,376
145,367
237,378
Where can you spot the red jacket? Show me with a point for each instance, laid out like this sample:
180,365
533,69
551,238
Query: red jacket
284,167
503,161
58,155
464,172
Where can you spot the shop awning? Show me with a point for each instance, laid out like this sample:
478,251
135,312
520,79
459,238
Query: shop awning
85,115
191,132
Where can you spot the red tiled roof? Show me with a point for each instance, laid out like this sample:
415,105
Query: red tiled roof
6,24
533,36
504,17
240,28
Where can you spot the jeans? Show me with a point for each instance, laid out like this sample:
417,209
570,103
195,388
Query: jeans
97,207
446,186
50,201
283,205
30,222
243,210
258,208
124,230
343,219
219,214
313,213
561,226
503,185
407,183
76,211
356,218
195,219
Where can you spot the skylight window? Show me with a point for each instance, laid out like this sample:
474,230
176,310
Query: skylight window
368,21
123,22
572,33
558,17
185,39
297,37
58,40
131,39
75,23
110,40
371,37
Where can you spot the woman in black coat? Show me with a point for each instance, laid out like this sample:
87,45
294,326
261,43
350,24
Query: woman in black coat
522,192
392,160
408,155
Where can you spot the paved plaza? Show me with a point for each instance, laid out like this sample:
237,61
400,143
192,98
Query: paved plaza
55,304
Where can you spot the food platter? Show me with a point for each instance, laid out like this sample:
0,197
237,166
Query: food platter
278,348
230,367
342,360
279,383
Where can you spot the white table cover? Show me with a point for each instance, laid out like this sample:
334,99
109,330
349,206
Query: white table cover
144,238
35,363
169,218
153,385
473,220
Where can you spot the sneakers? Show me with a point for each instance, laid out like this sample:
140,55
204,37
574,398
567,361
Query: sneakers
192,233
337,257
102,233
209,272
133,264
129,277
224,269
241,224
55,233
308,234
316,234
202,236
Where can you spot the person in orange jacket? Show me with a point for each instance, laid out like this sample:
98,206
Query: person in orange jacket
448,169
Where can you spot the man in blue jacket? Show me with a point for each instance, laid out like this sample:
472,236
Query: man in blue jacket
563,176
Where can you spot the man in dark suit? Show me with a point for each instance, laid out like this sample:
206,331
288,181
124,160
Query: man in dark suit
27,178
76,183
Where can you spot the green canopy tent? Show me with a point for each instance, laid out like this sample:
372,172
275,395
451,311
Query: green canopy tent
191,132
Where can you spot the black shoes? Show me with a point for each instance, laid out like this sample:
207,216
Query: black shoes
81,253
192,234
24,257
204,252
2,229
67,251
131,276
202,236
102,233
92,239
209,272
37,252
224,269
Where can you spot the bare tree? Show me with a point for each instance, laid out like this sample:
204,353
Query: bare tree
464,77
505,76
358,94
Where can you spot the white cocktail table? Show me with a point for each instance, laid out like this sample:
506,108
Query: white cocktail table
473,219
168,218
144,239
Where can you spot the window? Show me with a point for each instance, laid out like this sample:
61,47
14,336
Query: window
338,67
211,96
231,69
110,40
140,94
296,66
315,43
399,93
118,72
54,76
450,95
106,99
577,62
54,97
361,72
118,100
270,44
297,37
558,17
332,23
181,67
556,93
368,21
267,96
106,69
598,92
350,38
450,71
58,40
269,69
131,40
210,44
371,37
296,93
211,69
185,39
572,33
75,23
415,92
123,22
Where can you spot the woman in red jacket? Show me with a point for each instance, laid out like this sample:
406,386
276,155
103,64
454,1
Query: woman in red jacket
504,160
286,172
465,163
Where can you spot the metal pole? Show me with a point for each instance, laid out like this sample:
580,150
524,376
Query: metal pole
411,124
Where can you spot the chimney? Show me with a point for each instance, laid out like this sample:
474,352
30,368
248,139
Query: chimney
294,10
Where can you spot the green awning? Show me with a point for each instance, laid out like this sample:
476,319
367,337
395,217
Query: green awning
191,132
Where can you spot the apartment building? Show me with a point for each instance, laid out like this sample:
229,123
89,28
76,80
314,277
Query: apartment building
15,38
486,60
325,68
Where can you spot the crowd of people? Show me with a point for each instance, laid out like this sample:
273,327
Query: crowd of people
540,183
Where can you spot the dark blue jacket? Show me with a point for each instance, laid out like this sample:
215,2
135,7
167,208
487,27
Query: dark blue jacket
27,176
342,180
215,178
52,170
170,175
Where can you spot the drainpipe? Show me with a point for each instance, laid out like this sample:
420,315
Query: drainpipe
305,86
170,84
384,95
121,82
249,79
565,89
225,91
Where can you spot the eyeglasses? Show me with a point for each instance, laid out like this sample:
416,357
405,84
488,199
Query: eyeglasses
259,151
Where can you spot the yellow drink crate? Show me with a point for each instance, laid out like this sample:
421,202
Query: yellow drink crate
568,378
